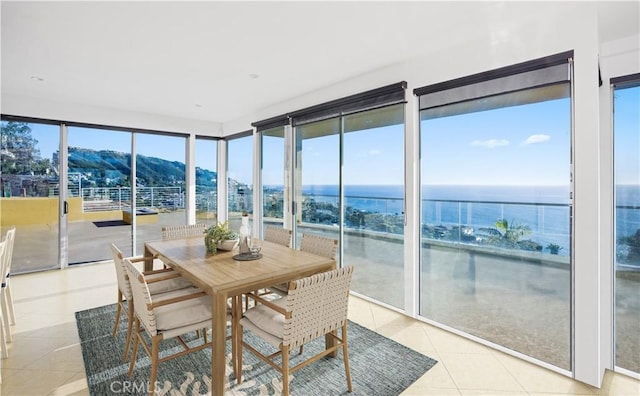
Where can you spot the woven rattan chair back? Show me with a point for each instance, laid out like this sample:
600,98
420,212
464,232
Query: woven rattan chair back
152,314
318,305
121,273
315,306
183,231
319,245
141,298
281,236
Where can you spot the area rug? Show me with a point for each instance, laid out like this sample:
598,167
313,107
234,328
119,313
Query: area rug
379,365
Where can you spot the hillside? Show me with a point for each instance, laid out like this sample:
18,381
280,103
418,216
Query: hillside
107,168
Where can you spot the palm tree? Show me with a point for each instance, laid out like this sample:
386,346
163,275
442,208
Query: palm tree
512,233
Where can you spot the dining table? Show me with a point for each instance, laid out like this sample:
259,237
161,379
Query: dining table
222,276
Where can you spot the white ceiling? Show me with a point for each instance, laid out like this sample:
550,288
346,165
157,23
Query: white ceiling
199,60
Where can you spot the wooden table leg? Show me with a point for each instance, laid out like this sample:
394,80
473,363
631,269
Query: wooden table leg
148,259
219,330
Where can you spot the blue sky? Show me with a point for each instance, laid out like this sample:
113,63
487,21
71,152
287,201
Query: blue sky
518,145
627,135
522,145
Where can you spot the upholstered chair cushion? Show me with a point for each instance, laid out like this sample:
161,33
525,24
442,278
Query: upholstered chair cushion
267,319
183,313
167,284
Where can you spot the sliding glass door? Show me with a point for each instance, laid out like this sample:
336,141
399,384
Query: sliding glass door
239,178
349,184
496,207
29,183
317,180
275,187
206,180
373,210
94,171
626,102
99,193
160,185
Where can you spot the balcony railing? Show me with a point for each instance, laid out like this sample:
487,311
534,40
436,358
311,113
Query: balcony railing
544,227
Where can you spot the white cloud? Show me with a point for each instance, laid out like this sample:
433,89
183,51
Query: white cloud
491,143
533,139
374,152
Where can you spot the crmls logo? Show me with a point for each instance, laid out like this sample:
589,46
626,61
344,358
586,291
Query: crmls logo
131,387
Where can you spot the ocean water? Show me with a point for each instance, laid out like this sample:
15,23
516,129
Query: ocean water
545,209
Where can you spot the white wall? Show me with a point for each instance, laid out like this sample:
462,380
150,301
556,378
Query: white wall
549,28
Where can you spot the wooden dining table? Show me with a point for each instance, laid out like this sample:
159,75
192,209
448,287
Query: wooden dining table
222,277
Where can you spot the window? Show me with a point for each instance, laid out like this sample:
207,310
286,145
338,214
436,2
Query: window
30,193
626,105
160,185
373,210
348,183
274,185
239,178
495,185
206,181
99,192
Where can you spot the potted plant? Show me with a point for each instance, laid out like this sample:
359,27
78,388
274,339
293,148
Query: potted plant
554,248
220,236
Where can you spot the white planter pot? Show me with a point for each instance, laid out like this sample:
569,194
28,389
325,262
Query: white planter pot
228,244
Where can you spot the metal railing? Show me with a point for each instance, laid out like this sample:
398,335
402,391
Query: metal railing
461,221
95,199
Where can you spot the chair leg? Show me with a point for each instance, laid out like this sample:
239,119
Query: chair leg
3,341
5,315
345,354
118,311
130,321
239,342
12,314
285,370
134,353
155,351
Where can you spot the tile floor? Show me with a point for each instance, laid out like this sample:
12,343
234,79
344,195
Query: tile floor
45,356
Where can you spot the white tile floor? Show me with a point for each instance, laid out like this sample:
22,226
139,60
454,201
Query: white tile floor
45,356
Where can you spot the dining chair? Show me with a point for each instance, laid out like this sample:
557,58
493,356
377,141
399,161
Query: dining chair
315,306
279,235
316,244
320,245
169,315
183,231
6,299
160,281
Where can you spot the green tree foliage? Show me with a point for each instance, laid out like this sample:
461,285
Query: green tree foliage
512,232
19,154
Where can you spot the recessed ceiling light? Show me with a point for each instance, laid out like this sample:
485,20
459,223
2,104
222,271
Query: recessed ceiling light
36,78
253,75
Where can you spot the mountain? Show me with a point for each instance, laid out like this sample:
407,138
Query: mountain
107,168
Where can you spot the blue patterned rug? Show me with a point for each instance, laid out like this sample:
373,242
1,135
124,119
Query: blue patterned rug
379,365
